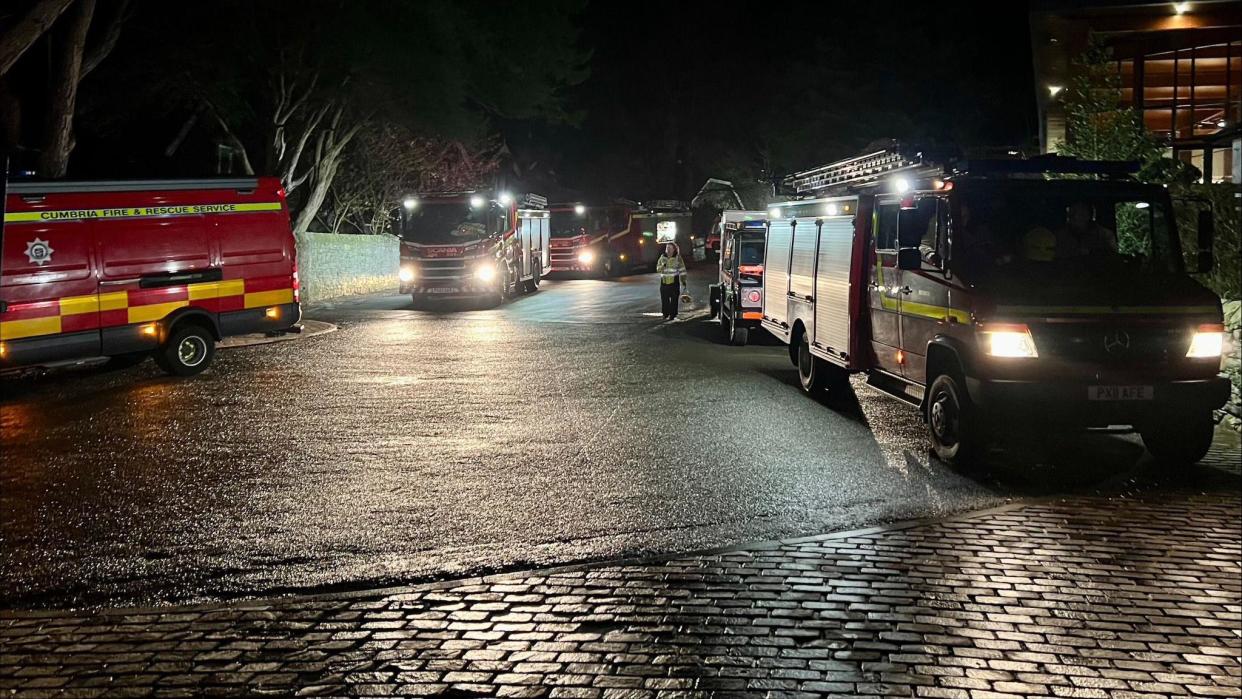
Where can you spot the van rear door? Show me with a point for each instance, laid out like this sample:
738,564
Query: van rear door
48,288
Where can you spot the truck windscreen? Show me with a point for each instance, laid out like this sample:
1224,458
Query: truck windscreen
447,223
1030,225
750,252
567,224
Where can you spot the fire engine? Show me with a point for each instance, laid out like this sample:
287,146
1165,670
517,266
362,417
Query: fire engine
143,268
1043,293
655,223
737,297
472,244
590,239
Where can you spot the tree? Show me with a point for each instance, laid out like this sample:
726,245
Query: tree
289,91
388,162
1099,125
74,51
26,31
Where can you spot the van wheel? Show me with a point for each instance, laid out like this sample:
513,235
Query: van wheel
1179,441
738,337
952,422
187,351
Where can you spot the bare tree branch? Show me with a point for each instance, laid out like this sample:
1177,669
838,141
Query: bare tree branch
112,32
63,92
232,138
27,30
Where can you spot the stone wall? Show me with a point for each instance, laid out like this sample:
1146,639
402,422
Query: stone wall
331,265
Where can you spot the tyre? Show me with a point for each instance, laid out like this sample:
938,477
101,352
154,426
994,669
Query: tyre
713,302
609,267
817,374
1181,440
952,422
810,374
187,351
738,337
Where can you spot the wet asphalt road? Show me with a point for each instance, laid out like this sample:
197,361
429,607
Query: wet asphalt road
411,444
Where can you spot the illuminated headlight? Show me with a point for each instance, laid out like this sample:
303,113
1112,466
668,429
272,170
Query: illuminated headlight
1008,341
1207,343
485,273
406,274
586,257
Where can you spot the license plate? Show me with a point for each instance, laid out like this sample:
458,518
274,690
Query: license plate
442,290
1120,393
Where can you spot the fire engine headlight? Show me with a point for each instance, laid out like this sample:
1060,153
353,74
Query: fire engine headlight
406,274
1008,341
485,272
1207,343
586,257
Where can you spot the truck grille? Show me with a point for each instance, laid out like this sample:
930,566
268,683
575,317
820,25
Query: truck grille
1128,344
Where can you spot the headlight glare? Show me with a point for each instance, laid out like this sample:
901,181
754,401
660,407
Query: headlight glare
1008,340
586,257
485,272
1208,342
406,274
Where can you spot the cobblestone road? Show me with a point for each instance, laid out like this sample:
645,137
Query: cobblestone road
1087,597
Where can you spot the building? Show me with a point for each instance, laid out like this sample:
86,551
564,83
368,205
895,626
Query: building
1180,65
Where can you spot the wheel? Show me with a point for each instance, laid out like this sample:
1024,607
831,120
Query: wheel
952,422
817,374
713,301
187,351
609,267
1180,440
810,373
738,336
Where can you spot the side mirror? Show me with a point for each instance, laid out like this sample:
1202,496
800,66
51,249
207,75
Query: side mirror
909,258
1207,235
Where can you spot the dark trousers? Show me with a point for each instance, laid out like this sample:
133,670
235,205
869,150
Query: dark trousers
669,294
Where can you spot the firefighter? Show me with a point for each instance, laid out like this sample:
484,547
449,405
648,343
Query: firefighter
672,271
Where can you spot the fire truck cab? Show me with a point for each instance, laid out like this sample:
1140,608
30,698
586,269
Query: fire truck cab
737,296
589,239
472,244
131,269
1031,294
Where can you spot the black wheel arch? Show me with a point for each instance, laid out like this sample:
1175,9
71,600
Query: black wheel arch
195,316
947,354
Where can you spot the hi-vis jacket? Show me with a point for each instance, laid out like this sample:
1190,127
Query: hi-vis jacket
670,269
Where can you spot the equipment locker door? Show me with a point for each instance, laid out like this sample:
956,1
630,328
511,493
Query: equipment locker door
884,289
832,284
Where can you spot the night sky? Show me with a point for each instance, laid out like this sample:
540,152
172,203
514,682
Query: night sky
682,91
674,93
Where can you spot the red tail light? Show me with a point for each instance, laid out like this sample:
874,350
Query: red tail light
753,296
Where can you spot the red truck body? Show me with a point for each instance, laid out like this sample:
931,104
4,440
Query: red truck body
592,240
124,268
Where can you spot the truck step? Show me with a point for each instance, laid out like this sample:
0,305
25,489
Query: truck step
897,388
